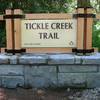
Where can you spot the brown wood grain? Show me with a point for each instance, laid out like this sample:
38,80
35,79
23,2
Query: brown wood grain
9,31
17,29
48,16
49,50
1,17
89,30
98,16
80,29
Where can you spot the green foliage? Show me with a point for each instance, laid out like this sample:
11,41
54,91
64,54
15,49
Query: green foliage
96,5
2,34
96,34
84,3
46,6
38,6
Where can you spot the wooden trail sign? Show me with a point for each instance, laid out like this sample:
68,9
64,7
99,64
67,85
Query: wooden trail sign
49,33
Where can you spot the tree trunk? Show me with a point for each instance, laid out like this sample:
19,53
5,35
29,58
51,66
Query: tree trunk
83,3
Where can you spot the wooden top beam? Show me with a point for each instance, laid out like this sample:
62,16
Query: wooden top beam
1,17
48,16
98,16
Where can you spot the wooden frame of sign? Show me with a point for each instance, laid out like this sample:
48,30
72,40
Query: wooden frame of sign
9,33
49,16
80,31
14,37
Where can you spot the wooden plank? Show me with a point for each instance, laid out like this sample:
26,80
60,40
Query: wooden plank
48,16
9,31
3,50
80,29
89,30
17,29
49,50
98,16
1,18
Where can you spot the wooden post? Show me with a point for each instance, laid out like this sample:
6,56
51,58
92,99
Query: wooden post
89,30
80,29
3,50
9,32
1,17
17,29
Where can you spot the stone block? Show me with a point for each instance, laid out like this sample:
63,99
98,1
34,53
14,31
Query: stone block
61,59
42,70
33,59
12,81
40,76
92,59
78,59
77,68
0,81
13,70
43,82
4,59
99,68
93,80
13,59
72,79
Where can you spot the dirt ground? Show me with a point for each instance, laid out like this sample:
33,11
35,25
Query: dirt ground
44,94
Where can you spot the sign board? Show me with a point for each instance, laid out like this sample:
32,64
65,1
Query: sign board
48,33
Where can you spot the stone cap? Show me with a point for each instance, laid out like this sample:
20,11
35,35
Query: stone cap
51,59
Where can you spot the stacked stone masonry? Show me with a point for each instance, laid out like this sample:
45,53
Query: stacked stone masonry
49,70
